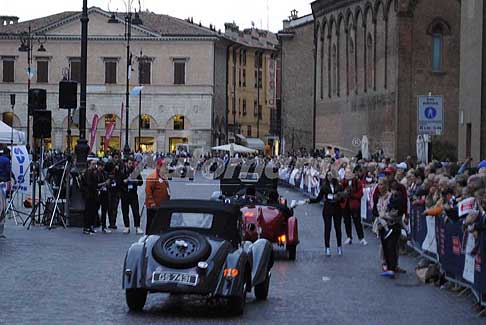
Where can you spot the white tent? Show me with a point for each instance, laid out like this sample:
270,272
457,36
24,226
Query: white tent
6,135
422,148
365,147
233,147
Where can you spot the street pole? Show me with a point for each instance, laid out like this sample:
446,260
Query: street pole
126,149
258,57
140,100
29,62
82,147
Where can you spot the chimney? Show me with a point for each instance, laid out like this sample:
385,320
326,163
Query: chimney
286,23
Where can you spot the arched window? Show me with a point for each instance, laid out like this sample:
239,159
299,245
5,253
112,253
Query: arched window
369,57
322,65
334,70
437,46
438,29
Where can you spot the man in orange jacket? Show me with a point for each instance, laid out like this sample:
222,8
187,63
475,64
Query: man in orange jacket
157,187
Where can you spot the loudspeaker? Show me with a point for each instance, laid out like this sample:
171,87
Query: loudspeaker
68,94
37,99
42,127
12,99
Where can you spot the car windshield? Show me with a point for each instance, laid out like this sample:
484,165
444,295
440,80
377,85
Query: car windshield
191,220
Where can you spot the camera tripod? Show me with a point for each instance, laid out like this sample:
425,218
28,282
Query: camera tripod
39,181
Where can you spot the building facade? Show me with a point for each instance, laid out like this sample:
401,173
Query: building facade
373,59
183,98
252,84
472,115
297,83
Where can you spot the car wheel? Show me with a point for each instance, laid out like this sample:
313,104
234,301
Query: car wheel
237,304
181,249
261,289
136,299
292,250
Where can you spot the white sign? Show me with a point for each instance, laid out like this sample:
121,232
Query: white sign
430,243
470,260
467,206
20,168
430,113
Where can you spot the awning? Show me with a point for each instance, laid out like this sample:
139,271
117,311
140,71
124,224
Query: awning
255,143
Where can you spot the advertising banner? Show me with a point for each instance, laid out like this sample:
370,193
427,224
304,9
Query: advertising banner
94,127
20,169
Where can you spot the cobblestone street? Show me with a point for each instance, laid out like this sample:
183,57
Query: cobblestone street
65,277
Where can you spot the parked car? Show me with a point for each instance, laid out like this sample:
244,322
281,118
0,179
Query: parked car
196,247
265,213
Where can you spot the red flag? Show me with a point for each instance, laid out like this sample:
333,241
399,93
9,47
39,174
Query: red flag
94,127
121,124
108,134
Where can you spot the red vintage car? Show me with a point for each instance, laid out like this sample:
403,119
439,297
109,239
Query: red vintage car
265,214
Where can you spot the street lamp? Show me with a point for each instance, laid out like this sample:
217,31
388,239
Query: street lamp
82,148
128,34
26,46
141,60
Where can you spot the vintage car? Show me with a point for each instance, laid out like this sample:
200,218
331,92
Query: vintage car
181,168
265,213
196,248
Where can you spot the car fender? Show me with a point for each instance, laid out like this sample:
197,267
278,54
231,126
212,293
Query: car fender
292,231
262,255
133,268
228,287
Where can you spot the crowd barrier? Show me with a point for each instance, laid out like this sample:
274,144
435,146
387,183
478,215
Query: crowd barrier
443,242
447,242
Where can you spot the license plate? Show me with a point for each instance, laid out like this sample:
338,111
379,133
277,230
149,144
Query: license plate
171,277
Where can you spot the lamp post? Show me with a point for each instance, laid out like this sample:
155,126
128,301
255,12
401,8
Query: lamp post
141,60
128,26
26,46
82,148
259,63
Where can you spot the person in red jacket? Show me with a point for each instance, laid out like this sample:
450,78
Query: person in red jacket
351,207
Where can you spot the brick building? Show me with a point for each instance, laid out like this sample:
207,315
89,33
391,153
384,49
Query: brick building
297,82
472,117
374,57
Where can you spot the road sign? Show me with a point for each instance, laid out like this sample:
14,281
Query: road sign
430,115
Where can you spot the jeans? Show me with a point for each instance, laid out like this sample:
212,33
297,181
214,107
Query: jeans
390,245
331,214
90,215
105,206
353,216
113,210
130,200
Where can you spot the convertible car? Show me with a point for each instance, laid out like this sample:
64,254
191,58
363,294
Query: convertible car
265,213
181,169
196,248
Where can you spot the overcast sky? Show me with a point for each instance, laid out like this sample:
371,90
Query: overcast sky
208,12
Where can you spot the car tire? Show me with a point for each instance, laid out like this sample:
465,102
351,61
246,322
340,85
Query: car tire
236,304
167,253
261,289
136,299
292,250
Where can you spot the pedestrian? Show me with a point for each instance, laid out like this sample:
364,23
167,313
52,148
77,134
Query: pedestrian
388,209
157,187
129,196
90,190
330,193
114,168
103,184
5,165
351,207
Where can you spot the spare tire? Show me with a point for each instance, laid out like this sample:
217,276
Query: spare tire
181,249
